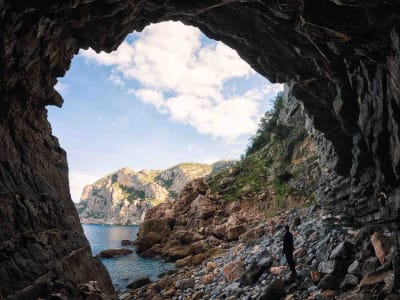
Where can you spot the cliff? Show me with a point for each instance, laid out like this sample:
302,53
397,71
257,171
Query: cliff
123,197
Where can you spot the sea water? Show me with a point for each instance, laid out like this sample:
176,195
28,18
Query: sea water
125,269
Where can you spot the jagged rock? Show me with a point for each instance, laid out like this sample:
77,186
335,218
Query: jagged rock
139,283
382,244
112,253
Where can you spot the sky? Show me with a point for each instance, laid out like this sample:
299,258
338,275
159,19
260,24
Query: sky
167,95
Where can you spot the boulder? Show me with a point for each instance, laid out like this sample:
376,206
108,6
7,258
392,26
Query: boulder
113,253
251,274
337,267
126,243
342,251
151,232
329,282
148,241
139,283
300,252
382,244
315,276
372,279
251,234
233,232
211,266
203,207
187,261
178,252
370,266
233,270
349,282
297,221
207,279
354,268
185,283
186,237
275,291
277,270
154,250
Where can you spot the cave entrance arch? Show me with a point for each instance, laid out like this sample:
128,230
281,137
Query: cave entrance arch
340,58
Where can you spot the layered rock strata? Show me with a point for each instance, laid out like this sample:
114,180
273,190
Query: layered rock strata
341,58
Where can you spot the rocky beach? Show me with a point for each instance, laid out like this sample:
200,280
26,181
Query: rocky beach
333,261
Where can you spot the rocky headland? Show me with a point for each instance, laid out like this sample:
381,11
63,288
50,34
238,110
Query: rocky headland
123,197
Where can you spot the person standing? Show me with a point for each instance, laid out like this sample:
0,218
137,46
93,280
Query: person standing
288,250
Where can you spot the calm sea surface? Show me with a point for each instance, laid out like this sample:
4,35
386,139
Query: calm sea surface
125,269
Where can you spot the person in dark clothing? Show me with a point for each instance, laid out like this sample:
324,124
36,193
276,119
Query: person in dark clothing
288,250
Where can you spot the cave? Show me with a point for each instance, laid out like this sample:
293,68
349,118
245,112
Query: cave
340,58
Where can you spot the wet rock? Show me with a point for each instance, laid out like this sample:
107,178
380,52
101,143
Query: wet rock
113,253
139,283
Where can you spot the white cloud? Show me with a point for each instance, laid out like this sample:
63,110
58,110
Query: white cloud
62,88
188,80
77,180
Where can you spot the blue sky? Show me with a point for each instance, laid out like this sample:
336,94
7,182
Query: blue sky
167,95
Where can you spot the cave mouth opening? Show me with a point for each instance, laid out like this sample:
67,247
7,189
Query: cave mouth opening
167,95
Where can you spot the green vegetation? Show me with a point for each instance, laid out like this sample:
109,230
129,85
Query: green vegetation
276,155
131,194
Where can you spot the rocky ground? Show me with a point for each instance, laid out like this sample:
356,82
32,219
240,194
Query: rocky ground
333,261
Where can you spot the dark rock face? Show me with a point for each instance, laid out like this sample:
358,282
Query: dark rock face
340,58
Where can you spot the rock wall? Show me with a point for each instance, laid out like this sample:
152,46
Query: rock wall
341,59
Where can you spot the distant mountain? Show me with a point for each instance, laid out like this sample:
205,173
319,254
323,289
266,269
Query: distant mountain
124,196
